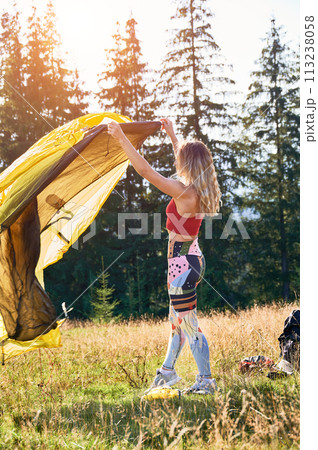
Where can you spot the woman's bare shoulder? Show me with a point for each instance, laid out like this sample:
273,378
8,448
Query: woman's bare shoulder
188,201
189,193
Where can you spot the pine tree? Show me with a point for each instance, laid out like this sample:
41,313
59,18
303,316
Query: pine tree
123,84
272,165
102,303
194,76
46,87
51,88
38,92
124,91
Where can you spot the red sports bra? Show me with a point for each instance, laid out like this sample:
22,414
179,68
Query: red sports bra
180,224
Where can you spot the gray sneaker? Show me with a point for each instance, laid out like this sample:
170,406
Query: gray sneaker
203,386
165,379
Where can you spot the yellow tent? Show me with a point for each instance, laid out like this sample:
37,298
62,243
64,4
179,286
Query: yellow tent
48,198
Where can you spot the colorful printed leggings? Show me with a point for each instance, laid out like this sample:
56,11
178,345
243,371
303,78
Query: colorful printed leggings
186,265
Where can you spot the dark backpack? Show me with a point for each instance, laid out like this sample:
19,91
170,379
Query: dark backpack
289,340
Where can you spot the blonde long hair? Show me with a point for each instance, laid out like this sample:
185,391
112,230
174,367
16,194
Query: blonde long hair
194,164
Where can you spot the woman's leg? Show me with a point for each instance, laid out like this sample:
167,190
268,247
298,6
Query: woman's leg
185,273
176,341
185,325
197,341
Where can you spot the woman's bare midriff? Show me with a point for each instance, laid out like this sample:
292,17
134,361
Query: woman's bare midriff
179,237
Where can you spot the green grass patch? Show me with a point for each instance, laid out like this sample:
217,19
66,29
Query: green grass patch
89,395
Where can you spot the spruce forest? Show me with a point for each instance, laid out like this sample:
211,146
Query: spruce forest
252,247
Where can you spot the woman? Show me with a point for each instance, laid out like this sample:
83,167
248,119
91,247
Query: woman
195,193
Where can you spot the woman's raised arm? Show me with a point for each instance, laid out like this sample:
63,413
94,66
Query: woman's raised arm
167,125
174,188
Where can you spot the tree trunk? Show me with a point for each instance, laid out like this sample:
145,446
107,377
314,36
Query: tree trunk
196,105
282,227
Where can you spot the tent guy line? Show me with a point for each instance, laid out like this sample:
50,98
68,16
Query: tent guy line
39,114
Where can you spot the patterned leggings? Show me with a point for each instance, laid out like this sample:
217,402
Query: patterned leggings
186,265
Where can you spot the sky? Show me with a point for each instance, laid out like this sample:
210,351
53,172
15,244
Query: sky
86,29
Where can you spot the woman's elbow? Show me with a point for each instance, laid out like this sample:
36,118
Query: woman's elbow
143,171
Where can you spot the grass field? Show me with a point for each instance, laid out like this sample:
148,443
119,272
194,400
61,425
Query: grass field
88,393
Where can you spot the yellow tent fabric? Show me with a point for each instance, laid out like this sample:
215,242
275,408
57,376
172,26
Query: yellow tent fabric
48,198
11,347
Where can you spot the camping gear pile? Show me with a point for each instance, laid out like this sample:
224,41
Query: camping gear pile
289,342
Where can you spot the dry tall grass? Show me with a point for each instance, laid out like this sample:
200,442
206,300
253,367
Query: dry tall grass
87,394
